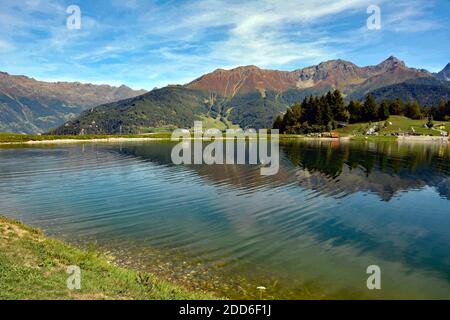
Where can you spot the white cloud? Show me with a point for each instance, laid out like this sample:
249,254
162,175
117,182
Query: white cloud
410,17
5,46
255,31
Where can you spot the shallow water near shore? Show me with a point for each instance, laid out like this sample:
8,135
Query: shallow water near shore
310,231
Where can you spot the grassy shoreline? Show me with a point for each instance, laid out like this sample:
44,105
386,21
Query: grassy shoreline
17,139
33,266
28,138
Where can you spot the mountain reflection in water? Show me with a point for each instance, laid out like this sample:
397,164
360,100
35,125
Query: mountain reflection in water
308,232
332,168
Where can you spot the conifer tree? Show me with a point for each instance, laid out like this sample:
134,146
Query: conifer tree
369,112
383,111
278,123
355,110
396,107
339,109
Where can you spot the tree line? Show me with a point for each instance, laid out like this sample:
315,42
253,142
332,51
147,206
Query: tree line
329,111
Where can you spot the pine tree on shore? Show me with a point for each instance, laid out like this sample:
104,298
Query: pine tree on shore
369,110
383,110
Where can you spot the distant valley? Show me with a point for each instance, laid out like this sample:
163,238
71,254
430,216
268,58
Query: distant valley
31,106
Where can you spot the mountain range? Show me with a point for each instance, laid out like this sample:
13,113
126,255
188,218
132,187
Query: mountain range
325,76
31,106
246,96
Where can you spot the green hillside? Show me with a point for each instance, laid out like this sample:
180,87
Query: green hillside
170,106
177,106
427,91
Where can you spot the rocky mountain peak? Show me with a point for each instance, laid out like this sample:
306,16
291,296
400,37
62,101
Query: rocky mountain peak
444,74
390,64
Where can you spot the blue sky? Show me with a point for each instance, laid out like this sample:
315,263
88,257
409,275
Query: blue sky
149,43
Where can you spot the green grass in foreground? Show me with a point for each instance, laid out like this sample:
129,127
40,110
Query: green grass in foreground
33,266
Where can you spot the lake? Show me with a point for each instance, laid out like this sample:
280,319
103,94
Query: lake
310,231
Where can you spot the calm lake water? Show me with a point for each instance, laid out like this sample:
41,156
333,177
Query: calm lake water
308,232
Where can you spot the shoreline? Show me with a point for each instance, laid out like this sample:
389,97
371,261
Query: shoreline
399,139
65,141
434,139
